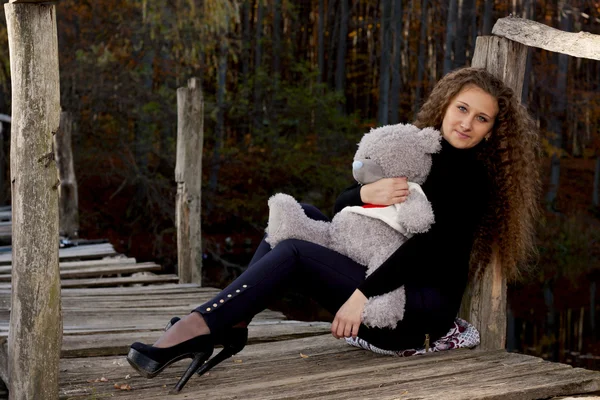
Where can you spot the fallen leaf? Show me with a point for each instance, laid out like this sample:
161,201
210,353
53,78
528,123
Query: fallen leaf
237,361
303,355
124,386
127,376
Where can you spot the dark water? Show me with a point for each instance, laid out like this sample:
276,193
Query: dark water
556,320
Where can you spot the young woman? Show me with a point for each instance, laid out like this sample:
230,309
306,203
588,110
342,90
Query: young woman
483,187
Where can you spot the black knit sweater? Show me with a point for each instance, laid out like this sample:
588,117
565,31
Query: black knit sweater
437,261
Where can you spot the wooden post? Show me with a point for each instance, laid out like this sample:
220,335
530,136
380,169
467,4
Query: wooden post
35,330
67,191
188,175
484,302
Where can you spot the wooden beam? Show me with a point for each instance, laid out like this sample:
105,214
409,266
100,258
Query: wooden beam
188,175
484,303
35,321
68,203
504,58
534,34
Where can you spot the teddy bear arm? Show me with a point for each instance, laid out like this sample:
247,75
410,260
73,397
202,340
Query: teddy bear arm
416,213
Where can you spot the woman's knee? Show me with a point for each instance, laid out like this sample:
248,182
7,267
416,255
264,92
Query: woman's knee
313,212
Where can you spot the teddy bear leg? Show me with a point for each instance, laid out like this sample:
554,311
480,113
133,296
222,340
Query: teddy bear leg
386,310
287,220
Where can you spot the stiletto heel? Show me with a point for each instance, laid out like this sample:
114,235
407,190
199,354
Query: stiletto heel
233,341
149,361
197,362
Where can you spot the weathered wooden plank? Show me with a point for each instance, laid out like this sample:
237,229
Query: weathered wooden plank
100,271
484,302
188,175
5,231
99,282
104,324
102,344
73,283
29,1
4,360
35,324
120,297
65,265
81,252
163,288
115,370
534,34
323,368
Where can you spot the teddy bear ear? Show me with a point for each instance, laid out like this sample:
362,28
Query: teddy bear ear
430,140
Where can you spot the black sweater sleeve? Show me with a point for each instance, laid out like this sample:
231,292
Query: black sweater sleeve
440,256
349,197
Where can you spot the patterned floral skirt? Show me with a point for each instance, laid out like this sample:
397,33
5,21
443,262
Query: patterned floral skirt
461,335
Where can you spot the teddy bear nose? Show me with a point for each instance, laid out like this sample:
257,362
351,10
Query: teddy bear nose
357,165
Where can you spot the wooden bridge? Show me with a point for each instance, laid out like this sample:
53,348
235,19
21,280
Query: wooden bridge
106,308
103,311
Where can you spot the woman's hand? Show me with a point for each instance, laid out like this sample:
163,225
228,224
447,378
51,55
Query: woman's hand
348,318
385,191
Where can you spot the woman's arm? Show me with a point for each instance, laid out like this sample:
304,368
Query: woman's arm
432,258
383,192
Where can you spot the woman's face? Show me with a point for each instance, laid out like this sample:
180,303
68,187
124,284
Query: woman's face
469,117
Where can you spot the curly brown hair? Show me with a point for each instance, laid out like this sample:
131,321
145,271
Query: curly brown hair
511,156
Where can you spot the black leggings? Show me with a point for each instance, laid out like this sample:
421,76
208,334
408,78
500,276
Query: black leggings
323,274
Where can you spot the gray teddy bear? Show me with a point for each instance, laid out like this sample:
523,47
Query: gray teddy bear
369,234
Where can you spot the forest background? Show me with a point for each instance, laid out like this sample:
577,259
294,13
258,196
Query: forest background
289,88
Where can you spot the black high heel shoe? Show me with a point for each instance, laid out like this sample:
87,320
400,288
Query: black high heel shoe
233,341
149,361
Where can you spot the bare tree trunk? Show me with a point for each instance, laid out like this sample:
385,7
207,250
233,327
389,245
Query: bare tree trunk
276,38
396,64
593,309
487,18
321,44
276,72
188,175
384,67
465,8
245,40
68,204
340,70
257,66
450,36
596,187
220,125
529,10
334,35
35,330
557,120
421,62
